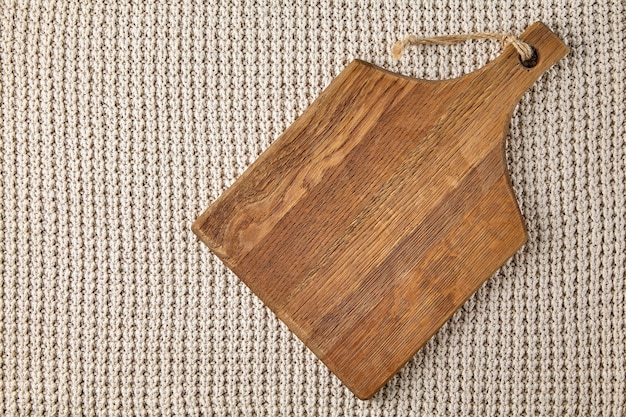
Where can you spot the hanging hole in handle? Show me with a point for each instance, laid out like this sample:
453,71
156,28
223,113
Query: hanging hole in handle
530,62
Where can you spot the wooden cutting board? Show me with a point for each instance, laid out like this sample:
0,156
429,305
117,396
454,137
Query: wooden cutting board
380,210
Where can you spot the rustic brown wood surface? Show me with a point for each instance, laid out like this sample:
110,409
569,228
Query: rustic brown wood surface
380,210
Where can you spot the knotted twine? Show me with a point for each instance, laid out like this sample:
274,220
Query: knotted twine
525,51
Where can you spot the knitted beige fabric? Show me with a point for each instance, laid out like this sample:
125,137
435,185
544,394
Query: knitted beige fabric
122,121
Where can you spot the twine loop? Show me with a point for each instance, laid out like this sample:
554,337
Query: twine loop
526,52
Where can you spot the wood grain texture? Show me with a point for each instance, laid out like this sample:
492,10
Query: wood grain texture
380,210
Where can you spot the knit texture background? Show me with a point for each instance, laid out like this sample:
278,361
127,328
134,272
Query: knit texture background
122,121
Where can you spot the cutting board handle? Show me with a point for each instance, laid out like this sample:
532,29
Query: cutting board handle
510,76
550,49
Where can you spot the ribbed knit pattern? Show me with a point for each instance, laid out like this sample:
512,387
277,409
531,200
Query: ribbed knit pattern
122,121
